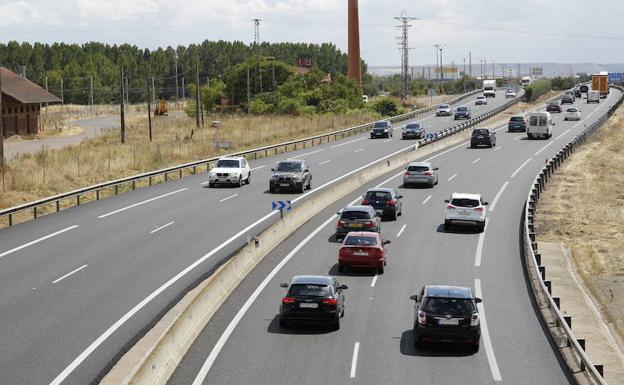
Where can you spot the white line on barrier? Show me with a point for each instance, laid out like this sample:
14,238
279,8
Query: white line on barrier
479,252
68,274
141,203
521,167
451,178
374,280
498,195
37,241
306,154
257,168
543,148
325,162
401,231
485,335
227,198
356,350
426,200
161,227
348,142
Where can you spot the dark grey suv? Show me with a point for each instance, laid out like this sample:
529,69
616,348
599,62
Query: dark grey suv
357,218
291,175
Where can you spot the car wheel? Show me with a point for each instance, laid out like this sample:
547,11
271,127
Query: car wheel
431,184
341,268
310,184
337,324
248,180
240,181
302,188
401,211
447,225
271,189
211,185
472,146
481,227
380,270
342,313
474,348
283,324
437,180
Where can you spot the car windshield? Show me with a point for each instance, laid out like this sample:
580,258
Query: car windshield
465,202
553,103
517,119
352,215
480,97
462,109
378,195
360,241
308,290
480,132
444,106
542,120
289,167
380,125
413,126
454,306
418,168
533,120
571,110
228,163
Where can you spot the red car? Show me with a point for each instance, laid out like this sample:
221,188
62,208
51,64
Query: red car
363,249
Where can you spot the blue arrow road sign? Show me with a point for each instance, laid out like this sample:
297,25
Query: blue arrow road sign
281,205
616,77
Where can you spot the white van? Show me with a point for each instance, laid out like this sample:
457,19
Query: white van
539,125
593,96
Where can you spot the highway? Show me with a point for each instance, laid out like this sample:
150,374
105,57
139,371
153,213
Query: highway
243,343
81,285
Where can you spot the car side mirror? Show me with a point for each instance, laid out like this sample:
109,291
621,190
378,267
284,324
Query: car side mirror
399,196
435,169
338,213
447,201
272,169
553,123
387,242
486,203
284,285
414,297
307,170
344,287
478,300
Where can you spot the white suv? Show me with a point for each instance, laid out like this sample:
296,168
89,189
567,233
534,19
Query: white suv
465,209
230,170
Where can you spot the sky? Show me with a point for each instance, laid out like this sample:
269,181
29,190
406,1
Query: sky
511,31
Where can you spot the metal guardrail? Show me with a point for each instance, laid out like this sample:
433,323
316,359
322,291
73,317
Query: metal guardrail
193,166
530,244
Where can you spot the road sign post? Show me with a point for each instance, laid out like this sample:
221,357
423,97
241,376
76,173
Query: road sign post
281,206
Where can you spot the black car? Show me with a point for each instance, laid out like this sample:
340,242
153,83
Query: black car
553,107
312,298
386,202
446,313
357,218
483,137
577,92
567,99
413,130
462,113
584,89
381,129
517,123
291,174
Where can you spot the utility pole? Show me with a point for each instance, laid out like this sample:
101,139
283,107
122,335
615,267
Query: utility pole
464,67
183,90
91,93
248,91
176,76
437,60
441,65
127,93
484,70
46,87
470,63
197,96
1,134
493,69
402,41
149,109
257,46
153,91
62,93
122,112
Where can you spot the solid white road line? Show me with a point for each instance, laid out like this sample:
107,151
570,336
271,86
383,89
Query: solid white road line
426,200
401,231
521,167
141,203
476,160
485,335
518,137
68,274
498,195
479,252
498,148
451,178
230,197
387,140
37,241
374,280
360,150
356,350
543,148
161,227
257,168
306,154
563,134
325,162
345,143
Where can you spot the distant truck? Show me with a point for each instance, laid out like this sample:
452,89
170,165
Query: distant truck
489,88
526,81
600,83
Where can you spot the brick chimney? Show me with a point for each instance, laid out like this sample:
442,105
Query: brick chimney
354,71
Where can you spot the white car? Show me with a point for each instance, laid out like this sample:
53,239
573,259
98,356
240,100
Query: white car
572,113
444,110
230,170
510,94
481,99
465,209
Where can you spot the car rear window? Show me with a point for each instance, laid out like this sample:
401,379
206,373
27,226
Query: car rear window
444,106
289,167
571,110
308,290
462,109
228,163
465,202
517,119
413,125
418,168
454,306
542,120
351,215
480,132
360,241
378,195
380,125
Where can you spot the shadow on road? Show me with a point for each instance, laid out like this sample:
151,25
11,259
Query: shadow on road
431,350
297,328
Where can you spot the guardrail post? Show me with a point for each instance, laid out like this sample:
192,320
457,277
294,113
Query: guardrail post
180,173
150,180
78,200
538,259
542,270
532,237
568,320
600,369
557,302
133,185
581,341
166,177
194,170
548,285
116,189
35,212
58,206
10,220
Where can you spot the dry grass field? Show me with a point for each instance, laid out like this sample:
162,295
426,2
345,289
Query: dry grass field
583,208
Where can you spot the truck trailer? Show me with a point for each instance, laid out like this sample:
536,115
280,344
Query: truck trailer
600,83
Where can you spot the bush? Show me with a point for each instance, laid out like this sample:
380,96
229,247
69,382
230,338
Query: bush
537,89
386,107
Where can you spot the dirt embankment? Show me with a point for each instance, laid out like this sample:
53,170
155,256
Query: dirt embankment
583,207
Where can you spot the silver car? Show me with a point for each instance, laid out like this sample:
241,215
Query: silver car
444,110
420,173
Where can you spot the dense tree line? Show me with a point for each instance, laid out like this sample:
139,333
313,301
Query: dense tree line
78,65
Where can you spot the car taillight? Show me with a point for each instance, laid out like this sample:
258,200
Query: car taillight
369,224
428,173
450,207
341,223
287,300
422,317
407,173
364,202
330,301
391,202
480,209
474,320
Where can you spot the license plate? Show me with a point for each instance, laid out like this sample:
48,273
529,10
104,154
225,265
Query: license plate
464,213
284,184
356,225
446,321
360,253
308,305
